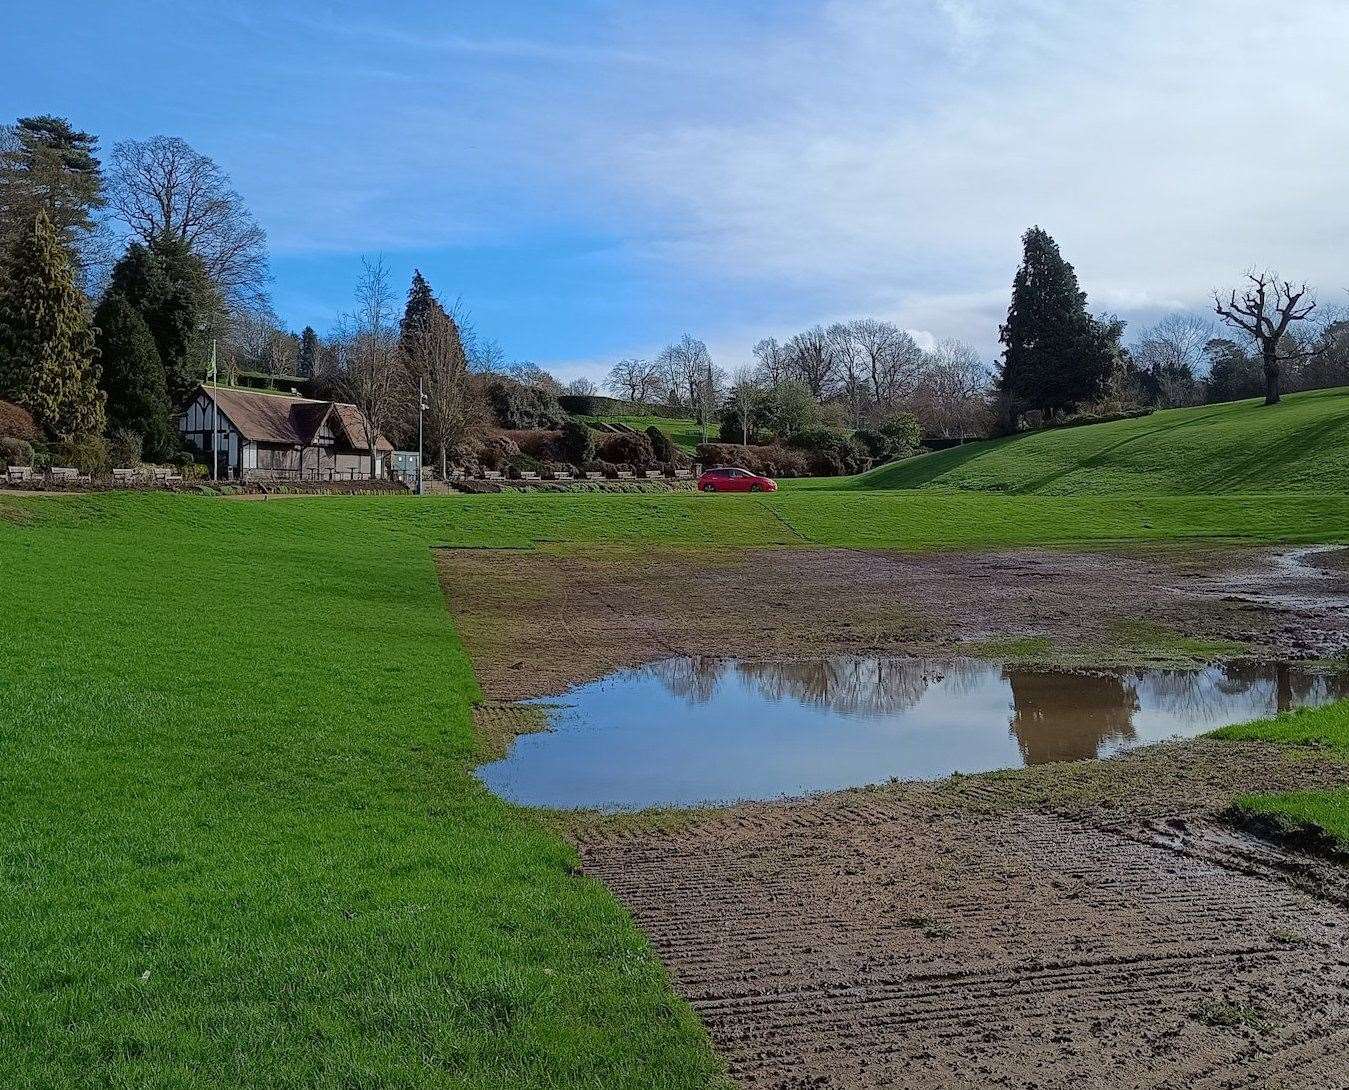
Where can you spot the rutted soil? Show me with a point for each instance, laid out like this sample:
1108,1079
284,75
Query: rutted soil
537,621
1087,924
1066,925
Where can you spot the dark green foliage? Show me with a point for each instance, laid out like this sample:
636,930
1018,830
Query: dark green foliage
15,452
1055,355
661,446
519,407
1233,372
628,449
903,434
422,305
308,356
577,443
87,453
133,375
168,285
126,449
830,453
48,166
47,352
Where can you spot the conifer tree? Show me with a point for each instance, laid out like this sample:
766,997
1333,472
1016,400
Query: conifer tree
1055,355
48,359
133,375
421,305
308,357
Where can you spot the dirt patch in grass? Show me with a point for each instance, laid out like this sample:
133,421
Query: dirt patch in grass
539,621
1033,928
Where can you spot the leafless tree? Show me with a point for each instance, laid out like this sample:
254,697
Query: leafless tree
370,367
582,387
632,380
1264,311
1171,353
162,185
434,354
745,393
813,361
892,359
531,374
771,360
692,378
854,387
951,398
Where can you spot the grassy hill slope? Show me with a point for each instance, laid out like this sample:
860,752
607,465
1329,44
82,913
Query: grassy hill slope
685,434
1299,445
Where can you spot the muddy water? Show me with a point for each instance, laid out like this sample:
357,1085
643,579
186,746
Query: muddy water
699,730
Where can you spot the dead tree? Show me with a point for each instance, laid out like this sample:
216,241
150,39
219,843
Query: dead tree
1265,311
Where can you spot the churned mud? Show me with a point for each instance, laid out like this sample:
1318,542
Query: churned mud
1067,925
538,621
1089,924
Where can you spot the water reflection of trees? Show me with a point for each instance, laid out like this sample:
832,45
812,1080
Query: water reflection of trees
1060,716
694,680
850,686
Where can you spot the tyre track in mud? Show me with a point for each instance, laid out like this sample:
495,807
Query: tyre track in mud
1004,930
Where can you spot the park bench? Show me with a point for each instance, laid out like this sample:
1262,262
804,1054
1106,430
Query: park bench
623,475
20,474
590,475
682,475
559,474
528,475
491,474
455,473
67,475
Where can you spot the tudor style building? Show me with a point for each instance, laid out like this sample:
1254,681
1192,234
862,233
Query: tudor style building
261,434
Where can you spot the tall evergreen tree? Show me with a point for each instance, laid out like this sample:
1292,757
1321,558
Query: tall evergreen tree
47,165
48,359
133,375
1055,355
167,284
421,305
308,357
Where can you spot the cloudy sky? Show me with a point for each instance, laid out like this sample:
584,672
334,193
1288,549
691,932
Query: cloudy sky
594,178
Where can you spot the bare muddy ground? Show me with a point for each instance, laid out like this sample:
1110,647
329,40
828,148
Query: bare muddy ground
536,622
1090,924
1067,925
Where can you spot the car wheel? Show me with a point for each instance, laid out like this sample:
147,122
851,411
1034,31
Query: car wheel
709,488
756,488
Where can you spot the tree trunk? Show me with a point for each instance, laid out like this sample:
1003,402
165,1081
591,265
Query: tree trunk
1271,376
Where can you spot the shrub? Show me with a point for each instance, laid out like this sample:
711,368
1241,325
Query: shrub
904,434
517,406
577,443
88,455
874,443
627,448
830,453
16,422
661,446
125,448
772,461
15,452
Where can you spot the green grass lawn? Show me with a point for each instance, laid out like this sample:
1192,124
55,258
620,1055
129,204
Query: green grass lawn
1325,810
685,434
1299,445
244,843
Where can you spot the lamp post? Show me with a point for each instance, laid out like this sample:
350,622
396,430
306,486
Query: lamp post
421,409
215,421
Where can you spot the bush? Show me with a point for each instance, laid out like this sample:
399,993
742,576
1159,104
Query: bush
125,449
627,449
519,407
89,455
15,452
577,443
772,461
183,461
904,434
874,443
661,445
16,422
830,453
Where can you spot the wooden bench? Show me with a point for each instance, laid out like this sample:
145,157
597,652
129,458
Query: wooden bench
590,475
623,475
20,474
125,476
682,475
528,475
491,474
65,475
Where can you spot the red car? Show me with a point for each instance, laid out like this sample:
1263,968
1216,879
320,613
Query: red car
730,479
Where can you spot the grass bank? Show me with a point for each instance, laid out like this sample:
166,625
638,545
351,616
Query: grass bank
1243,446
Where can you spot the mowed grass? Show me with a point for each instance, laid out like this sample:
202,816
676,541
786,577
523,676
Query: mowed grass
244,844
685,434
1325,810
1298,445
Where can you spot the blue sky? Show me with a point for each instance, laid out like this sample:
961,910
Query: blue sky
594,179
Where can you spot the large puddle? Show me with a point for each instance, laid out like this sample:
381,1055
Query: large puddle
701,730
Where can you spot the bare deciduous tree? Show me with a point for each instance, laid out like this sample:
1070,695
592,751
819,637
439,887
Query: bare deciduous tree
691,377
632,380
951,398
771,360
892,358
434,355
162,185
813,361
370,371
1264,311
582,387
745,394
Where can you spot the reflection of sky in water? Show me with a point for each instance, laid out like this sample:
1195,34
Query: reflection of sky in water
702,730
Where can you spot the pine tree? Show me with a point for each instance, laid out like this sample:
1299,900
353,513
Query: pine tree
421,304
168,285
48,359
133,375
1055,355
308,357
47,165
